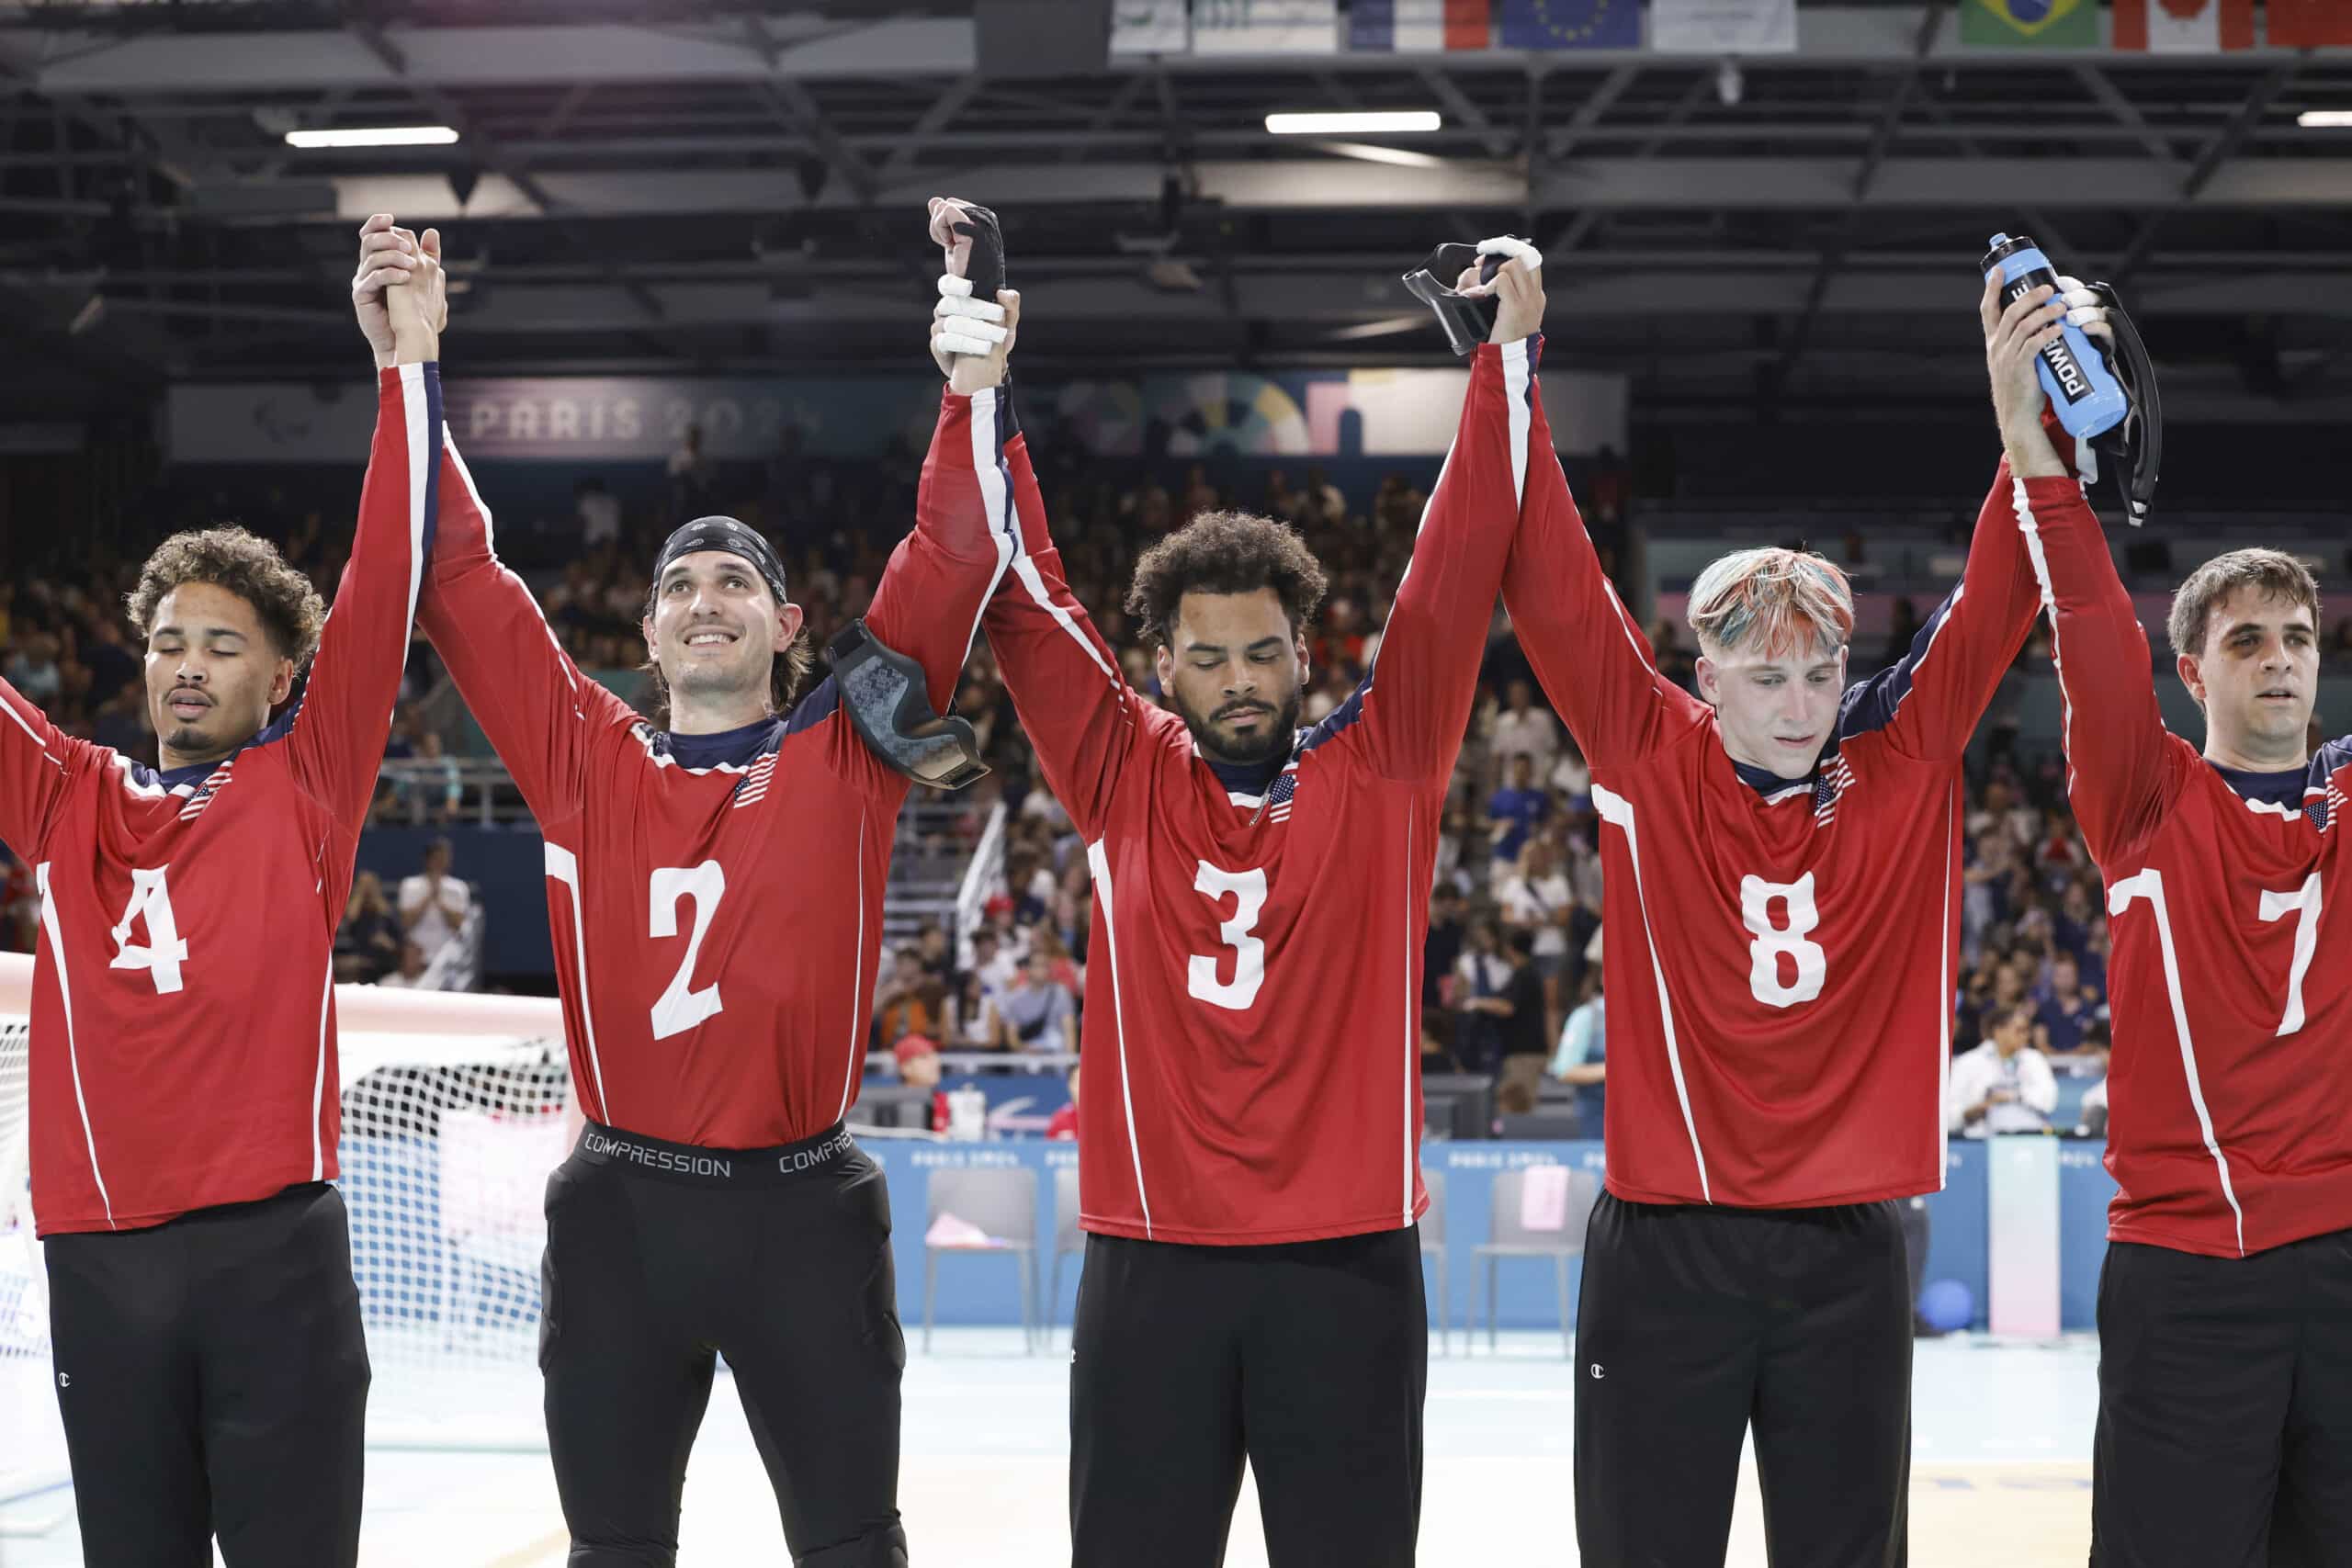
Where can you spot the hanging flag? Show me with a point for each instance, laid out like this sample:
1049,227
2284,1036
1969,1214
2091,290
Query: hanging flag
1572,24
2028,24
1266,27
1403,25
2184,27
1724,26
2310,24
1149,26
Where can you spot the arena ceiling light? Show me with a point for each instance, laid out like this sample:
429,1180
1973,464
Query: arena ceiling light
1369,122
375,136
1403,157
2325,120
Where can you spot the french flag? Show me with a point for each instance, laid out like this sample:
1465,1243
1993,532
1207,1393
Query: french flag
1413,25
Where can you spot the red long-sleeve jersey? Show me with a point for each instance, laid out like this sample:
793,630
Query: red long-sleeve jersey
716,902
1252,1028
2229,985
182,1014
1780,964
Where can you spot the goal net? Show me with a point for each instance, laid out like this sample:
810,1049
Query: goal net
455,1109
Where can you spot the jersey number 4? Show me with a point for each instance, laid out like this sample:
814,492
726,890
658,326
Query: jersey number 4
166,950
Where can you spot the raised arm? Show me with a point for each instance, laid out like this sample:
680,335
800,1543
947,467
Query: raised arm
1415,700
540,713
34,758
1928,701
1591,659
929,601
533,702
335,736
1077,709
2122,768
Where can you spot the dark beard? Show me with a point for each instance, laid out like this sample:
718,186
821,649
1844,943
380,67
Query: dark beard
1274,744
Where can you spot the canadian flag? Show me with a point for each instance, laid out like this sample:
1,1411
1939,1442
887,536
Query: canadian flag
2184,27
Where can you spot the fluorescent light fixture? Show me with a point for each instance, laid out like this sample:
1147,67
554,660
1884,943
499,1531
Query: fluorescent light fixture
1404,157
1369,123
1387,327
375,136
2318,119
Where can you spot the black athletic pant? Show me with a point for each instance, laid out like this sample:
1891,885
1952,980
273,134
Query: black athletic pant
1311,1359
2225,1408
660,1256
214,1378
1695,1323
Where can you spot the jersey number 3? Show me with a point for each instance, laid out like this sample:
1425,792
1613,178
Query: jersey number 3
1248,891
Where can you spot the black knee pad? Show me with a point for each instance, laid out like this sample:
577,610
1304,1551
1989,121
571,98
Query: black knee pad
882,1548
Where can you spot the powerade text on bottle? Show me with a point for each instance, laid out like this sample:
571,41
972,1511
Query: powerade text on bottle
2088,399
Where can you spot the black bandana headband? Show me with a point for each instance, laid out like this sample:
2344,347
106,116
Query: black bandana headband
724,533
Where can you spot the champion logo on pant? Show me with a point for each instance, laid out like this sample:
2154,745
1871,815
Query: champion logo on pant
1597,1372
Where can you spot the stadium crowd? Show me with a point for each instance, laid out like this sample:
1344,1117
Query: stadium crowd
1512,977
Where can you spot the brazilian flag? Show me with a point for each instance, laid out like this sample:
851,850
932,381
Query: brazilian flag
2028,24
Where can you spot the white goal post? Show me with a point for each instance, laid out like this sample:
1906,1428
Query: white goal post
455,1109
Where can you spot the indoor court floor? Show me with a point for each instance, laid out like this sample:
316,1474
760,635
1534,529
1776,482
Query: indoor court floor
2001,1467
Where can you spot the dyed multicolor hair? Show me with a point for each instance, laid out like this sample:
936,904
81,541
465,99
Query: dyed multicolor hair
1768,601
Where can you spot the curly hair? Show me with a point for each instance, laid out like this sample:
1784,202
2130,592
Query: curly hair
290,609
1224,552
787,675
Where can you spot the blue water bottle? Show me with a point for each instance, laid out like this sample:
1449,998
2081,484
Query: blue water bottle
2090,400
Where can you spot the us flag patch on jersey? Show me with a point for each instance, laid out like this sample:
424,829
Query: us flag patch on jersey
1278,797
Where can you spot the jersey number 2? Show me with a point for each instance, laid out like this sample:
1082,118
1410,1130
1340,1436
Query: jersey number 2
682,1006
1247,890
165,951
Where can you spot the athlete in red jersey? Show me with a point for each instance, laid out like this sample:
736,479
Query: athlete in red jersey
1252,1120
1782,854
2225,1337
185,1104
714,889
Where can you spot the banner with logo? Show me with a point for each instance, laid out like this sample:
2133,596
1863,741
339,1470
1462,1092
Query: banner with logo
1724,26
1150,26
589,419
1266,27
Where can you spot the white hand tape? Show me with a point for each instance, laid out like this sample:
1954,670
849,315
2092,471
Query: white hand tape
956,343
952,286
973,310
1516,249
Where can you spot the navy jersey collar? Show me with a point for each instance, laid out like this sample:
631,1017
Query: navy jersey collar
1768,784
1250,778
2282,788
736,748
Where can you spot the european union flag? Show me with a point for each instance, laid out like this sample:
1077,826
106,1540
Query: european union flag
1572,24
